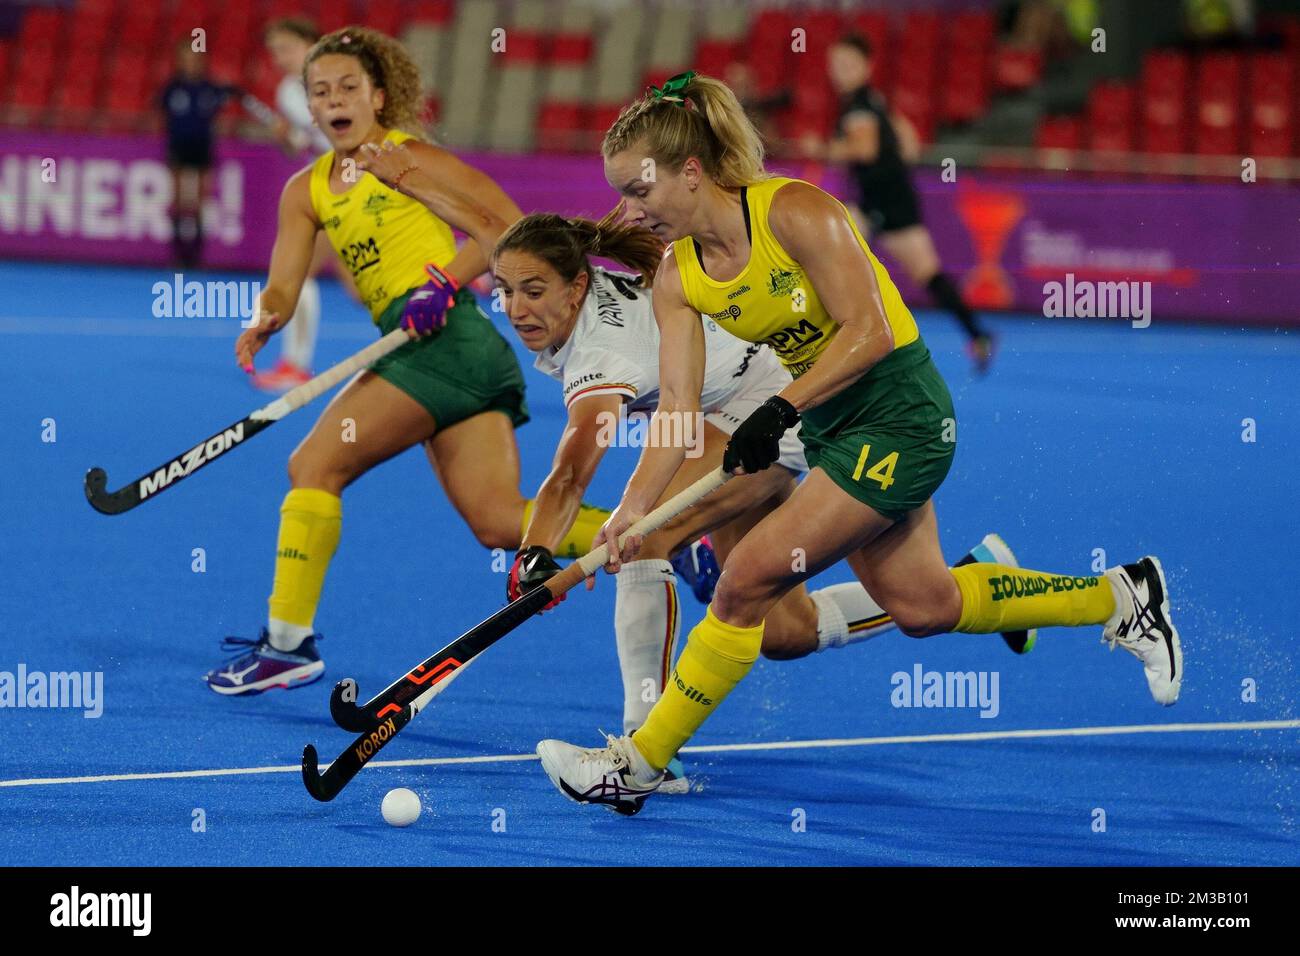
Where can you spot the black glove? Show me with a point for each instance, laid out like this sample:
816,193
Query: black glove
756,444
533,567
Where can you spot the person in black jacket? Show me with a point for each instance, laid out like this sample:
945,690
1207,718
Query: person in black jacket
878,145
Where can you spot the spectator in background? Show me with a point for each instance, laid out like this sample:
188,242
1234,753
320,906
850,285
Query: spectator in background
1219,22
1055,28
761,109
878,146
190,103
288,41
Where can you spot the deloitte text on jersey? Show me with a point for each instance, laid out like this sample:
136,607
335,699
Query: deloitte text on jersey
661,430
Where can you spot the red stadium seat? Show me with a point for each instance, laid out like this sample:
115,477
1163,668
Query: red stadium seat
966,85
1059,132
559,126
1015,70
1163,93
336,14
42,27
768,49
32,78
972,31
1218,98
714,56
570,48
1271,123
1111,116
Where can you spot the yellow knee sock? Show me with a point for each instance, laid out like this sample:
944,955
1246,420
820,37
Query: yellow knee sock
998,598
310,521
578,541
717,657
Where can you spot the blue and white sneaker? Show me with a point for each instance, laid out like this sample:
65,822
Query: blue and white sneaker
993,550
697,567
258,666
675,781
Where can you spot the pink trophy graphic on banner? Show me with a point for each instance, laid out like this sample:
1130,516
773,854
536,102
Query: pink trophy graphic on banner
989,217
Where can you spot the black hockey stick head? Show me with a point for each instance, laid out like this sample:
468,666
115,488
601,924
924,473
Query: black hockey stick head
326,786
317,785
105,501
345,710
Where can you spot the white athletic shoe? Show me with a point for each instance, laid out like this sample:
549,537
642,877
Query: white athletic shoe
1141,625
615,775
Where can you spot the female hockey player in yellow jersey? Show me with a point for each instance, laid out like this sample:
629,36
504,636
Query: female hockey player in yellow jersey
457,388
779,261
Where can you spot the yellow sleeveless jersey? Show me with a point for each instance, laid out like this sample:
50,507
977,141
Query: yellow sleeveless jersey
772,301
383,237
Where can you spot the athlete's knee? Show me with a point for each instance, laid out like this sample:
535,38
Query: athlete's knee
927,616
309,469
492,532
742,597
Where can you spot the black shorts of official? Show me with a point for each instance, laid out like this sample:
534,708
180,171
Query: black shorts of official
189,155
891,209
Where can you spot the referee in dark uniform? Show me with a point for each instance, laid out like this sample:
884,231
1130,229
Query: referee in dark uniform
877,145
190,103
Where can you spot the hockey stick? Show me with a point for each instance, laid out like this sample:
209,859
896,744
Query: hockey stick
205,452
384,716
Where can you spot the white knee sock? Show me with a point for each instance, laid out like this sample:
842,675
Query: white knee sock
846,614
646,624
299,347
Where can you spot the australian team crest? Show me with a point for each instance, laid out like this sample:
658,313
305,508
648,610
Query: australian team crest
781,282
377,204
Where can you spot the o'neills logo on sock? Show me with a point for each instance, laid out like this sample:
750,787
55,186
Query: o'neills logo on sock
1009,586
293,553
690,692
75,908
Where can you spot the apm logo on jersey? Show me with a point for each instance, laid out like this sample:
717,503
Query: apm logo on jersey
794,340
199,455
360,256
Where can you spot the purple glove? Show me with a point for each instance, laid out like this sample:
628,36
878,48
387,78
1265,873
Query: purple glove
426,309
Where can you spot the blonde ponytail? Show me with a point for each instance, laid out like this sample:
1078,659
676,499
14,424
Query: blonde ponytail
692,115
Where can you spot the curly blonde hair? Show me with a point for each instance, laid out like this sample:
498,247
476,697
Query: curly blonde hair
389,67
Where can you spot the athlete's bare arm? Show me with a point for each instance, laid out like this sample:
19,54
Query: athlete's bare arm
815,229
681,380
295,240
459,194
576,458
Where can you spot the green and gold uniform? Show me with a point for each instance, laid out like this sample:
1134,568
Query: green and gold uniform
385,238
887,439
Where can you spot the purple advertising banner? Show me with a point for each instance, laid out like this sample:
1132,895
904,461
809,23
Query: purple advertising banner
1211,251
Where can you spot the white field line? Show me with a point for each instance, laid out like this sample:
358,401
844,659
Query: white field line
718,748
